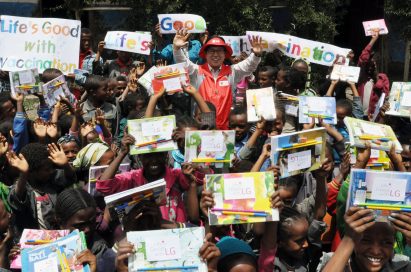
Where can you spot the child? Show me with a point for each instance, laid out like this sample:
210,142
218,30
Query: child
33,196
7,106
76,209
369,245
70,145
304,67
154,168
266,76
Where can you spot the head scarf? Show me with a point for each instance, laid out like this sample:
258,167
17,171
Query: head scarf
90,155
67,139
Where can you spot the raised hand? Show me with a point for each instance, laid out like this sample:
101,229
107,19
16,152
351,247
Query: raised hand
18,162
132,80
358,220
188,171
99,115
256,44
181,38
189,89
4,145
326,167
140,68
206,201
363,155
57,155
100,47
40,128
276,202
210,253
126,142
266,151
18,97
402,222
125,249
87,257
51,130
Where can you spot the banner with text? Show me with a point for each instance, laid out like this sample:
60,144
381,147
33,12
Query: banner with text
238,44
134,42
294,47
170,23
41,43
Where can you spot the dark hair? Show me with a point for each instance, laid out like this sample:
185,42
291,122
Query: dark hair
93,82
288,217
5,127
186,121
35,154
345,104
272,71
4,97
86,31
50,74
121,78
232,260
64,123
238,111
291,183
298,61
71,201
130,102
295,78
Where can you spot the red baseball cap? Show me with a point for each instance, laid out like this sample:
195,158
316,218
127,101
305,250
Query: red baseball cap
216,41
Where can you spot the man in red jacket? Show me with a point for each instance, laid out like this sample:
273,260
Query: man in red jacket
215,80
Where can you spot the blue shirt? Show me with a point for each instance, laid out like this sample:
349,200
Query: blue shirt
166,53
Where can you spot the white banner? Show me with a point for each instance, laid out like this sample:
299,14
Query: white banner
40,43
134,42
170,23
238,44
294,47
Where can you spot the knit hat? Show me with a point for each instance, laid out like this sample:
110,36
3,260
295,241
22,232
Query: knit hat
229,246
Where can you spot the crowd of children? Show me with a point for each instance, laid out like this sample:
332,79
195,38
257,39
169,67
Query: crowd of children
45,162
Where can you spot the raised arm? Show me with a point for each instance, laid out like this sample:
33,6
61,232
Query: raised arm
153,102
202,105
330,91
249,65
180,41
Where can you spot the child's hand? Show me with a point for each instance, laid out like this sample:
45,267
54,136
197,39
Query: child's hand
57,155
99,115
363,155
40,128
345,165
276,202
87,257
210,253
189,89
51,130
125,249
18,162
160,93
18,97
276,171
206,202
126,142
181,38
358,220
188,171
266,151
395,158
261,124
78,111
325,169
14,252
100,47
86,128
140,68
311,125
402,223
4,145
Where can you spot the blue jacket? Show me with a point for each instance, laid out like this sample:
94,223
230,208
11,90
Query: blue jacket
166,53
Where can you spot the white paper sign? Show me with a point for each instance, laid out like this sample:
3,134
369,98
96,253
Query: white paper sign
26,77
291,110
134,42
294,47
371,26
406,99
239,188
388,189
299,160
212,143
39,43
163,248
152,128
238,44
372,129
172,84
170,23
345,73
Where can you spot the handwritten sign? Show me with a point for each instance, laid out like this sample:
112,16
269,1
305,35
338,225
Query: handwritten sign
152,128
172,84
134,42
238,44
299,160
170,23
163,248
212,143
375,25
294,47
239,188
388,189
39,43
406,99
372,129
345,73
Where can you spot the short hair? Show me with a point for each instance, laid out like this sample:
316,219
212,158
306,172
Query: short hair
227,263
121,78
86,31
272,71
71,201
130,102
4,97
5,127
93,82
64,123
238,110
295,78
35,154
288,217
50,74
345,104
187,121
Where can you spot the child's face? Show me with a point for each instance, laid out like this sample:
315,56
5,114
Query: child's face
140,105
154,164
341,114
265,79
83,220
145,217
277,128
297,243
287,195
106,159
7,110
44,173
280,83
70,150
376,247
238,122
101,93
121,86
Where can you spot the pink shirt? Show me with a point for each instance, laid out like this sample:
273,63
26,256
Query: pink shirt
176,184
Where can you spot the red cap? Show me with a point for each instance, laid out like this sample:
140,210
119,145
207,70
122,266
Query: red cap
216,41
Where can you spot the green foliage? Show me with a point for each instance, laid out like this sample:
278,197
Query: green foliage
399,16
